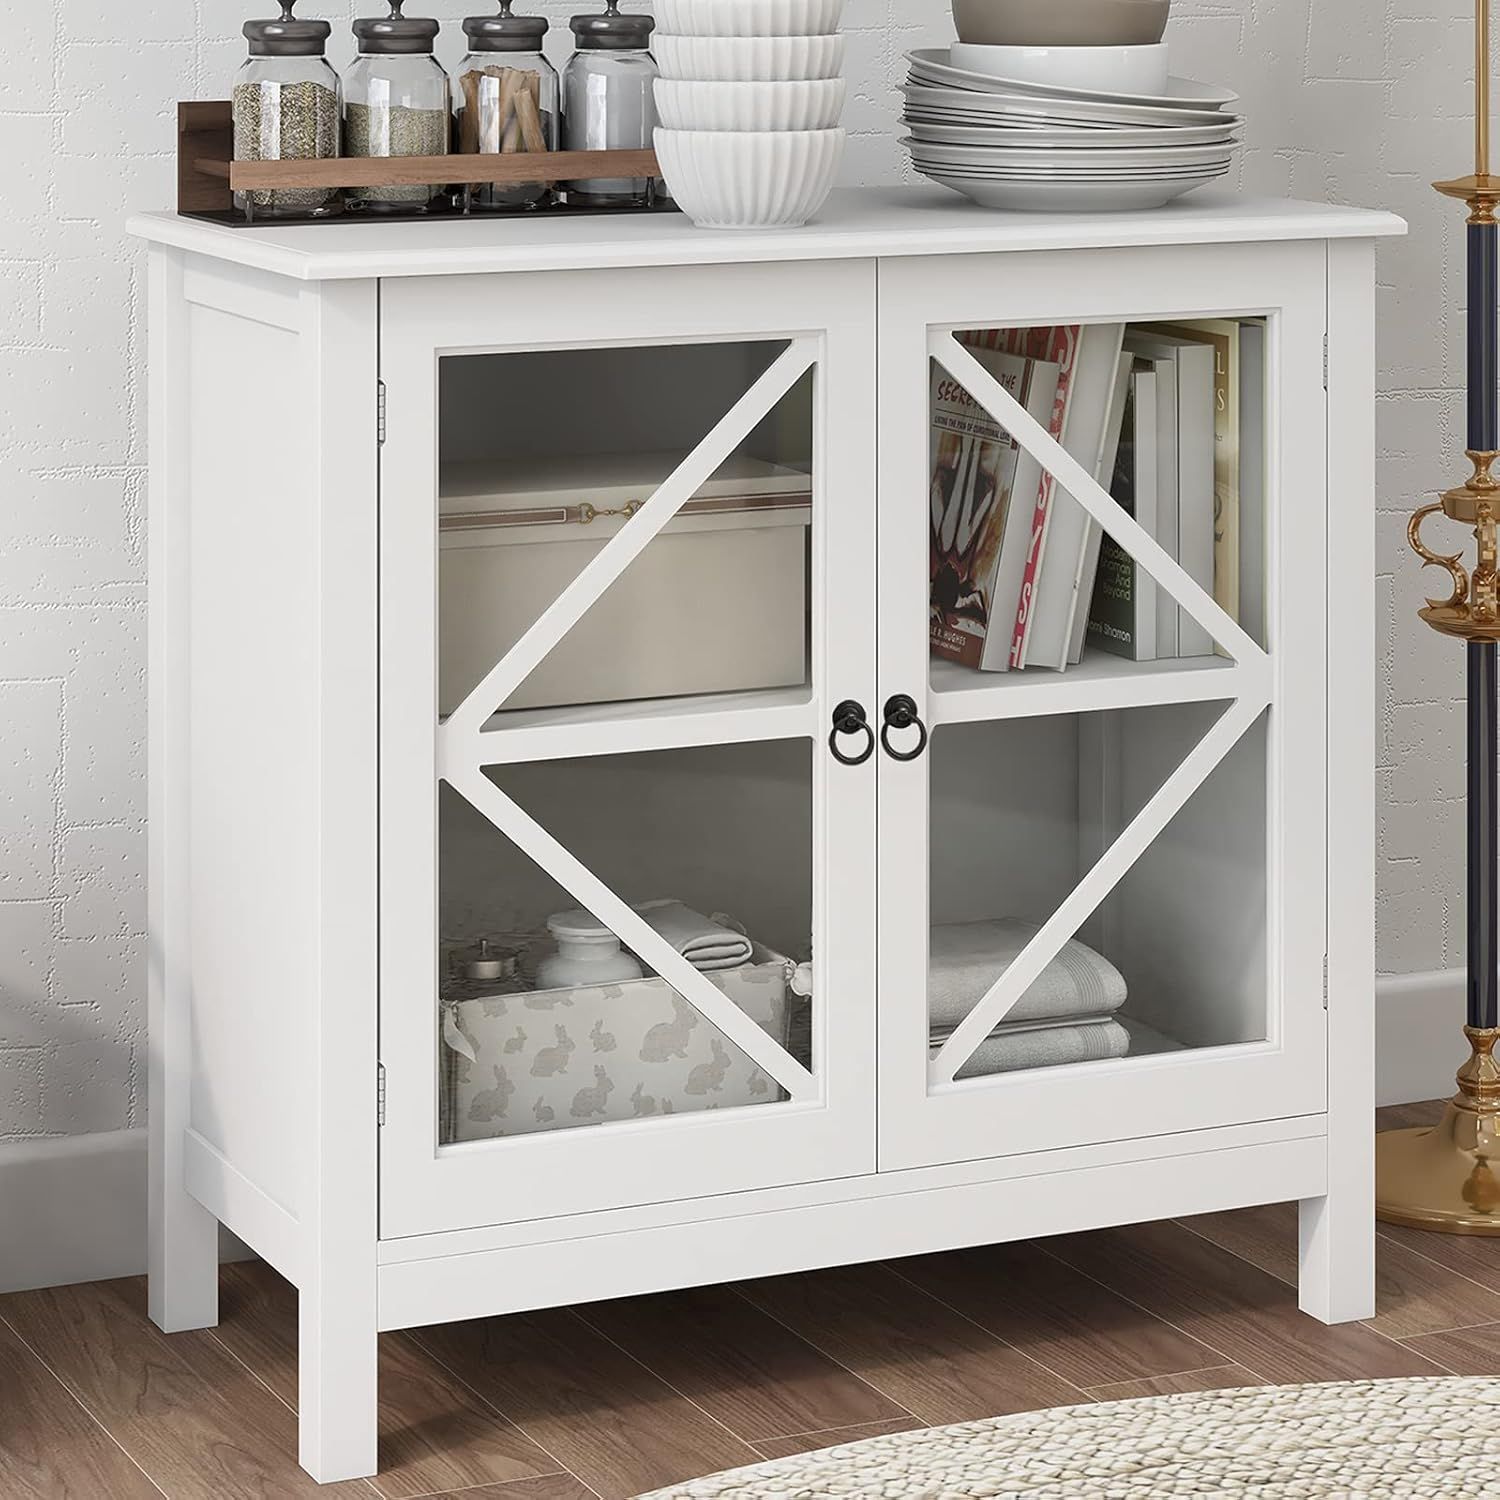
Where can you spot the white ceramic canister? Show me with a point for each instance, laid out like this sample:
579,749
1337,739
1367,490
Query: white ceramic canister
587,953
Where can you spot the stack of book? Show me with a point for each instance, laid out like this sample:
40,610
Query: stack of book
1170,418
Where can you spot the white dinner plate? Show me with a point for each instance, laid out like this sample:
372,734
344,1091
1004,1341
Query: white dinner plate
1068,197
1055,111
1075,174
917,115
1062,136
1101,177
1070,156
931,65
1027,174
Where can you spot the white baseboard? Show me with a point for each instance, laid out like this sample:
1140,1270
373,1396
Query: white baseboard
1419,1040
75,1209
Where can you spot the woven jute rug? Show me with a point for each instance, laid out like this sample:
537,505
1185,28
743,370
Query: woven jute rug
1382,1439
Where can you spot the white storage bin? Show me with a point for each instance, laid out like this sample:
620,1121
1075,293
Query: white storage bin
554,1059
717,602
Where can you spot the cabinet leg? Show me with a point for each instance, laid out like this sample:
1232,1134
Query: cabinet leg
1336,1257
337,1387
183,1237
183,1263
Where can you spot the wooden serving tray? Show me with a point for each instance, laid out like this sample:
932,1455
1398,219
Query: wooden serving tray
208,176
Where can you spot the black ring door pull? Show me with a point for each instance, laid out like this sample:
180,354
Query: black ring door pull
901,713
849,718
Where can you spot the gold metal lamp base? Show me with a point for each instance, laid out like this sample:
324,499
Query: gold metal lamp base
1447,1176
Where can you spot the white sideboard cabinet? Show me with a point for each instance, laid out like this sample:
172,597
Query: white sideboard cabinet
504,569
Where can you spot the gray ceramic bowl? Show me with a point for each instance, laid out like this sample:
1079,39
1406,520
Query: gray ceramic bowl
1060,23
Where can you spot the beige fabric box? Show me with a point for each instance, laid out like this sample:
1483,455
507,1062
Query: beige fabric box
717,601
554,1059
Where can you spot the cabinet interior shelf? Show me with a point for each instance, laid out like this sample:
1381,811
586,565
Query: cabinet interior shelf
586,729
961,695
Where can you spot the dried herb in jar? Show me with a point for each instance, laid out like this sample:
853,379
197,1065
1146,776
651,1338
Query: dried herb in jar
286,122
394,130
396,103
285,103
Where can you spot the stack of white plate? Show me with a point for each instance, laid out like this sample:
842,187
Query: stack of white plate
1031,143
749,98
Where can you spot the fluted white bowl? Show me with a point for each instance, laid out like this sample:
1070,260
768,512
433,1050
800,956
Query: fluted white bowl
767,59
749,179
797,104
749,17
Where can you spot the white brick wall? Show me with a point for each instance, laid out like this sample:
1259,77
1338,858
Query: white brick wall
1358,103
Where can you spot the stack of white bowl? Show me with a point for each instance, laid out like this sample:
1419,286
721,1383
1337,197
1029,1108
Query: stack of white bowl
749,97
1064,104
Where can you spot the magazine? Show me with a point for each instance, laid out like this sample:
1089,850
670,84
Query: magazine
1060,346
981,508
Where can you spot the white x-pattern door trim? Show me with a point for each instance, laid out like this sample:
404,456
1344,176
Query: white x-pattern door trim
1252,679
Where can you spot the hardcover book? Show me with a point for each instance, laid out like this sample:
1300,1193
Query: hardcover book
1252,479
1123,615
1088,571
1060,534
1223,336
1185,477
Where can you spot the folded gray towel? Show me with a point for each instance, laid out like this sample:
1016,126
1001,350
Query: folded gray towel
966,958
705,943
940,1034
1046,1047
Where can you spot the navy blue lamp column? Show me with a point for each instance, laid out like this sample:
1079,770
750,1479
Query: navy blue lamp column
1448,1177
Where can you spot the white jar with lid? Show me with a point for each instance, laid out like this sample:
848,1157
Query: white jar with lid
587,953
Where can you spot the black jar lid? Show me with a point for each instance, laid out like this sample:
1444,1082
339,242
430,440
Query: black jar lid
286,36
505,32
396,33
611,30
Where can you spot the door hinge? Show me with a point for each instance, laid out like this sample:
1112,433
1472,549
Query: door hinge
1325,368
1325,981
380,411
380,1093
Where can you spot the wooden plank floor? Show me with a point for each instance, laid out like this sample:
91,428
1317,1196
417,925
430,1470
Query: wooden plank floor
601,1402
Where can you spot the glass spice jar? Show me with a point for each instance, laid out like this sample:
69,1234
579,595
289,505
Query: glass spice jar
396,103
506,100
609,101
285,106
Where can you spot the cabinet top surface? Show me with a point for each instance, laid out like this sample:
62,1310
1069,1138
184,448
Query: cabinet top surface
857,223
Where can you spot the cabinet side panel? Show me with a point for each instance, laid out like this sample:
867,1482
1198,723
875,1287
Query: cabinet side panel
252,759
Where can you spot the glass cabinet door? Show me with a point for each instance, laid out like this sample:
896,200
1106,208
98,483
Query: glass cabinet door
1102,564
625,886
